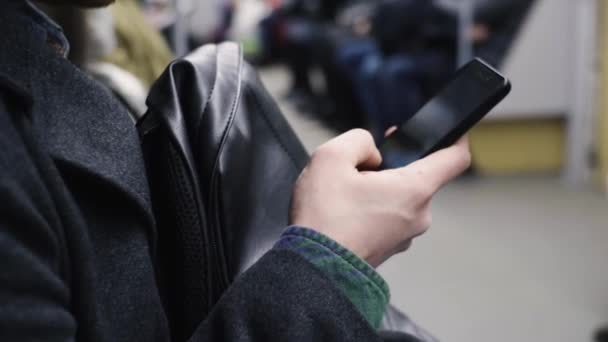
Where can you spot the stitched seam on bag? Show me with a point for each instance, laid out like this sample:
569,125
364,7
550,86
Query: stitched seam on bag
230,118
214,174
204,109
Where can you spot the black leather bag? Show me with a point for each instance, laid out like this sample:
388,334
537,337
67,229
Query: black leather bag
221,162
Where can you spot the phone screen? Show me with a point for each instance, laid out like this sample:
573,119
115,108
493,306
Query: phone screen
473,87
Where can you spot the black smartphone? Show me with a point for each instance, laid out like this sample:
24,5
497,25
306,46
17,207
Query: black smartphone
473,91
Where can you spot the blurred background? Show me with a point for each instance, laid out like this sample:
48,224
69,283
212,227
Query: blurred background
519,246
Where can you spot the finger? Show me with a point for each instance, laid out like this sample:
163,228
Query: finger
357,146
444,165
390,131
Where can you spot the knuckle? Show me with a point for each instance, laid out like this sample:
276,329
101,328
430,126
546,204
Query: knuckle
426,220
323,152
462,157
467,159
422,191
414,227
420,224
363,134
407,217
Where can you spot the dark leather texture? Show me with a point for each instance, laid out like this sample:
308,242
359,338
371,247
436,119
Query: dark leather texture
221,161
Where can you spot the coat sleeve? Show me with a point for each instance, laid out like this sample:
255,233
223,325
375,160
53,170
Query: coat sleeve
283,297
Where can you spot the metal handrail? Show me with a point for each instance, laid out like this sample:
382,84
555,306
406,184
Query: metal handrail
466,10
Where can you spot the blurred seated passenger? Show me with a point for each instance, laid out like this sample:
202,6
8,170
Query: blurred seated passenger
141,49
413,50
404,58
296,32
272,28
117,46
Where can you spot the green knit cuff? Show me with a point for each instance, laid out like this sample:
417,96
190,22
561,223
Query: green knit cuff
366,289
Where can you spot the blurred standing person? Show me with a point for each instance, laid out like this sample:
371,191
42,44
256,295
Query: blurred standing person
209,21
204,18
228,7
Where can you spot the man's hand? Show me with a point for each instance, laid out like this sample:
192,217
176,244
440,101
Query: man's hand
374,214
479,33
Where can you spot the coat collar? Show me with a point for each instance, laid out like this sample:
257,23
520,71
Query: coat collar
26,33
95,136
20,39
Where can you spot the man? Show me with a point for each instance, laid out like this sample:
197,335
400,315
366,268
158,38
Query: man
77,237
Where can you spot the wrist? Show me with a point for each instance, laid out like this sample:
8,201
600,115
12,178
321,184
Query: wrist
356,278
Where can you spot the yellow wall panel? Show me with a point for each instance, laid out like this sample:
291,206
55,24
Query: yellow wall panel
519,146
